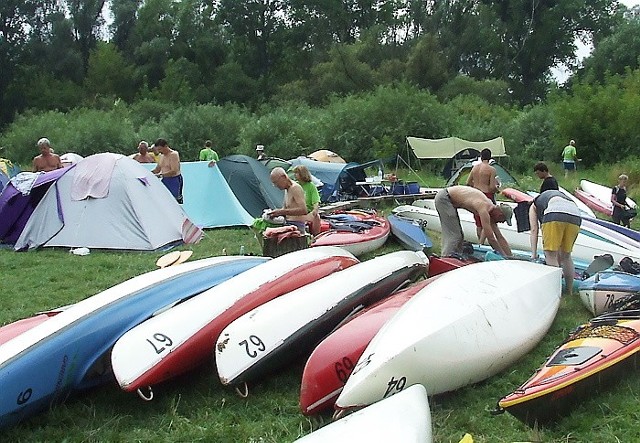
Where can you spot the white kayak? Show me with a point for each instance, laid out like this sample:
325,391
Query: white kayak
466,326
404,417
272,334
602,193
591,241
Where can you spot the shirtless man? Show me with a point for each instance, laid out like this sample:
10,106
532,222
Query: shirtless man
295,207
483,178
168,169
448,200
47,160
143,155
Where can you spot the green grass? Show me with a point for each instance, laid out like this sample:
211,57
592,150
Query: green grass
195,407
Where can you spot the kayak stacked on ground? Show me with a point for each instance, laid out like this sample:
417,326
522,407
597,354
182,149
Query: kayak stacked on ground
463,328
410,232
358,232
331,362
272,335
183,337
598,197
69,351
601,291
594,355
404,417
591,242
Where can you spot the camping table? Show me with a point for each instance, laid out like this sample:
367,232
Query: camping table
368,187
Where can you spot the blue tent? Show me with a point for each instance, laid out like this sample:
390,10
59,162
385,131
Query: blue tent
340,179
207,199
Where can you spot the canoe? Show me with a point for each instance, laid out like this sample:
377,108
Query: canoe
603,193
404,417
358,237
606,231
331,362
631,233
410,233
516,195
12,330
69,351
590,242
594,355
584,209
519,196
271,335
594,202
183,337
600,291
461,329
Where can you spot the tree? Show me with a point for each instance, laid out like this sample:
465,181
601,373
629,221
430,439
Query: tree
20,22
86,16
255,26
124,14
109,74
614,54
427,66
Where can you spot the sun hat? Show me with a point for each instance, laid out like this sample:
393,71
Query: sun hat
260,148
507,211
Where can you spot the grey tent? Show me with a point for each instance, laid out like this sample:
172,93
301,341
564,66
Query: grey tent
250,182
107,201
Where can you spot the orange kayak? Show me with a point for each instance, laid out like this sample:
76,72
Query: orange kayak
595,354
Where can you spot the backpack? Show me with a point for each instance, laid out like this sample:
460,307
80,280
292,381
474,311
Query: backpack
629,266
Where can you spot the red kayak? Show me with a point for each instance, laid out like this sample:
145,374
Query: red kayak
332,361
596,353
12,330
516,195
593,202
358,232
440,265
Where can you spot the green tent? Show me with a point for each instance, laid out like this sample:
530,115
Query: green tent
460,175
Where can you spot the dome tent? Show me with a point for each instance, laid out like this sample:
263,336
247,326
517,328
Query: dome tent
107,201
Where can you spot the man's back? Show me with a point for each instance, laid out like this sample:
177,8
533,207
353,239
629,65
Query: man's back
483,178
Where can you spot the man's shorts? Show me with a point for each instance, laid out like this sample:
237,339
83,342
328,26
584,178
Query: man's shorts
559,236
569,166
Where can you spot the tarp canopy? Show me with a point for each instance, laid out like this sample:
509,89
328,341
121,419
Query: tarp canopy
107,201
251,183
16,207
208,200
449,147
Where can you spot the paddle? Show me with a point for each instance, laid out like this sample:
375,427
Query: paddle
599,263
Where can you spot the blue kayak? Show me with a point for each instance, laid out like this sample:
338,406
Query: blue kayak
601,291
631,233
410,233
69,351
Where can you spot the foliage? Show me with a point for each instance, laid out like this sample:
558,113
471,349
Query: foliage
248,52
597,117
614,54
